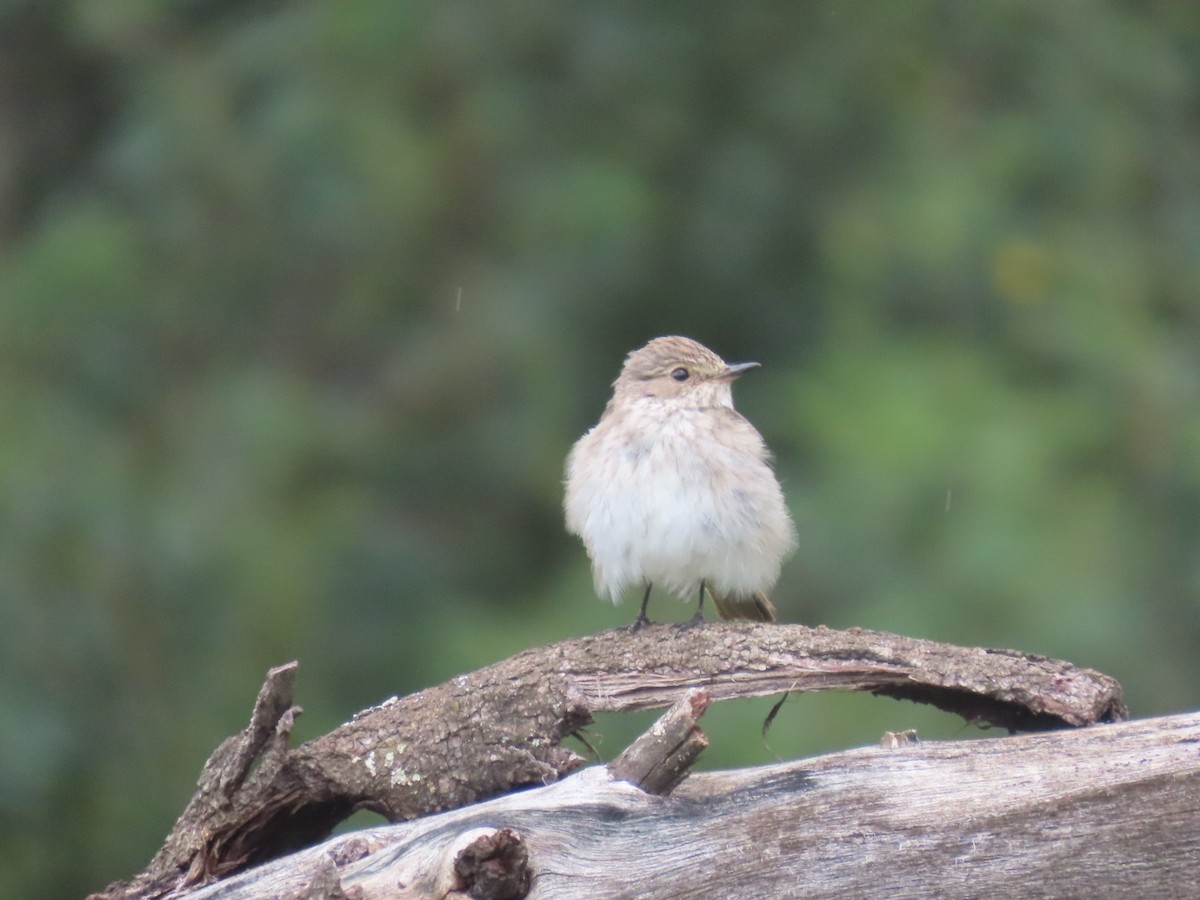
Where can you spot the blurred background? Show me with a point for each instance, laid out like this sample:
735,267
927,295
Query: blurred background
302,305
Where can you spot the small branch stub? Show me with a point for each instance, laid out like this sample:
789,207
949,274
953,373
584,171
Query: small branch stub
272,717
659,759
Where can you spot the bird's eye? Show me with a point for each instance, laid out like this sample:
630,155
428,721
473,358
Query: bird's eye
680,374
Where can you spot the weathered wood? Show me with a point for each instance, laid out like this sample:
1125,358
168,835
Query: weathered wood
263,740
499,728
494,866
659,759
1111,811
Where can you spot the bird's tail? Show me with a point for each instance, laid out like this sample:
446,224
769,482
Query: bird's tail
756,607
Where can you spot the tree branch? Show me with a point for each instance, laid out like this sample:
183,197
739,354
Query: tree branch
501,727
658,760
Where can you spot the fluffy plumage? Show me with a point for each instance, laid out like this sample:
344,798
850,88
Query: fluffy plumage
673,487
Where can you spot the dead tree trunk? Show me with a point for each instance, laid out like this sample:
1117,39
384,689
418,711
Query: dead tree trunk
486,733
1110,811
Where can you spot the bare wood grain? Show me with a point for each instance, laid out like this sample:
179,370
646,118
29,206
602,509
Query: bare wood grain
1109,812
660,759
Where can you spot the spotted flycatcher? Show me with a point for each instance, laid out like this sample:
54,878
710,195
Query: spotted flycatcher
673,487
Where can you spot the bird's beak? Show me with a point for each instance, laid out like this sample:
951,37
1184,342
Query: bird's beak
732,372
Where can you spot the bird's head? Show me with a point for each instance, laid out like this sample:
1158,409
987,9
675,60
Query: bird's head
678,367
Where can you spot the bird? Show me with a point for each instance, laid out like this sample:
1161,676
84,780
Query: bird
674,488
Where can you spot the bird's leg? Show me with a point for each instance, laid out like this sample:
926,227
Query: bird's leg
698,618
642,621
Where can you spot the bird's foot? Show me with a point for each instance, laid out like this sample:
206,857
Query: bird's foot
694,621
639,623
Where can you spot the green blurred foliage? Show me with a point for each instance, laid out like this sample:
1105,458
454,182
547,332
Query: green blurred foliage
302,305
